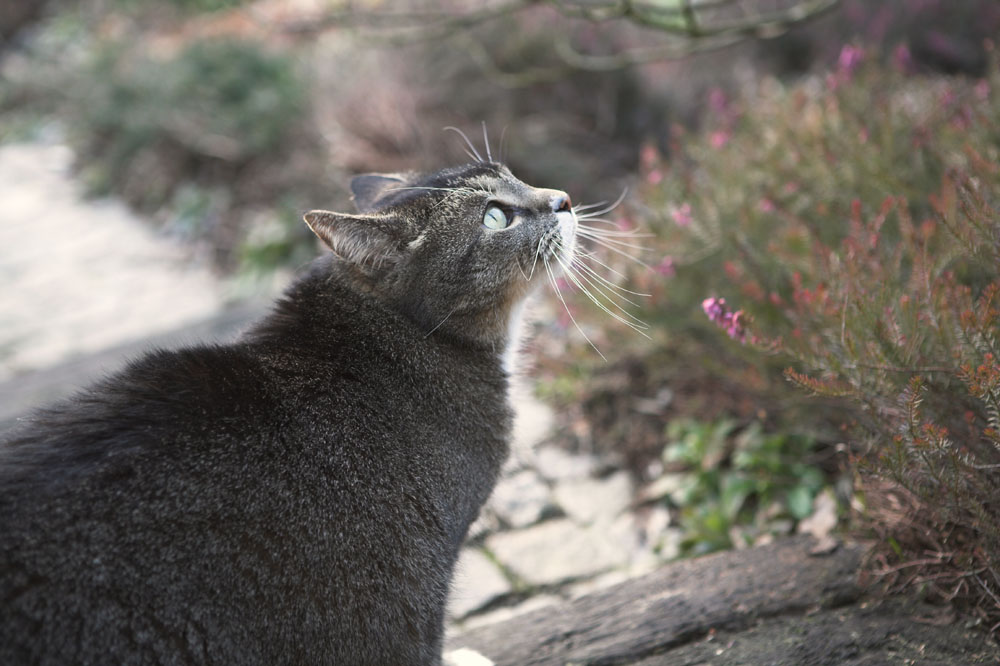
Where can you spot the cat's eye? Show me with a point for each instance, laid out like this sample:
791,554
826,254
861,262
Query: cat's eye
495,218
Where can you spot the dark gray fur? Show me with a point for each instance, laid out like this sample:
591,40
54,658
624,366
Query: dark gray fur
298,496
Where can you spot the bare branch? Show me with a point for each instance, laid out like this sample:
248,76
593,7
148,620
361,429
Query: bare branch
689,26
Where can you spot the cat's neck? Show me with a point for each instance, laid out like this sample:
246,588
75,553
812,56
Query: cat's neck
326,309
328,305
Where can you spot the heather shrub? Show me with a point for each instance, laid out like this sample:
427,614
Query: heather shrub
847,227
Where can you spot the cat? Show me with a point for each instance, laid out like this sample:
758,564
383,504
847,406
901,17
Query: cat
300,495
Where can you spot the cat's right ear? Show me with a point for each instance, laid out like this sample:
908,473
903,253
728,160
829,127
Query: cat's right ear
368,188
368,241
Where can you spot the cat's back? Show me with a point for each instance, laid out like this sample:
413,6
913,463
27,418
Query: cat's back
279,475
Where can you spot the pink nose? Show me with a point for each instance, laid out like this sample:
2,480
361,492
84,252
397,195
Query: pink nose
561,202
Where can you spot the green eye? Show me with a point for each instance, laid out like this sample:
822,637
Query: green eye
495,219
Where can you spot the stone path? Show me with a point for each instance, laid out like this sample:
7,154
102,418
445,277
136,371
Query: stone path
80,276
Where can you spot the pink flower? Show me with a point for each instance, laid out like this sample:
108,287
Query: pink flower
715,308
902,59
717,101
666,267
766,205
733,322
849,59
735,326
648,156
624,223
719,138
982,90
654,177
682,216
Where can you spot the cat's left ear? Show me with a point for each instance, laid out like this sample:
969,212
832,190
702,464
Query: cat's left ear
368,188
368,241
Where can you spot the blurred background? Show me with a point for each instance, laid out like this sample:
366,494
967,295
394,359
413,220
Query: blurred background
811,185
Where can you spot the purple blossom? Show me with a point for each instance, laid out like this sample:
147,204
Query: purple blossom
903,59
715,308
850,58
733,322
719,139
682,216
717,101
667,267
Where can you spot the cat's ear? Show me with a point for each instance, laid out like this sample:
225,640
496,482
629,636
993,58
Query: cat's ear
368,241
370,187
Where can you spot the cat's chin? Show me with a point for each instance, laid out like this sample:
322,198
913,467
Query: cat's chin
567,232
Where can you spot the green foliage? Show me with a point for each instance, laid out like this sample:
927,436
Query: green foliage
739,484
853,225
279,238
215,102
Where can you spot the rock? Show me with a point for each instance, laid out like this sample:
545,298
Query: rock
557,551
478,581
520,500
668,546
487,523
662,487
506,613
532,421
595,500
557,465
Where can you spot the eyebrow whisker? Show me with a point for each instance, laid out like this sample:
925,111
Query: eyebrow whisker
475,153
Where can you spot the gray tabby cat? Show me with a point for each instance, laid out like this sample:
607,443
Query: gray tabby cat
298,496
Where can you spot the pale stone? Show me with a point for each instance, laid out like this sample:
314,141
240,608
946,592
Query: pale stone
662,487
520,500
557,465
532,422
595,500
556,551
668,546
477,581
506,613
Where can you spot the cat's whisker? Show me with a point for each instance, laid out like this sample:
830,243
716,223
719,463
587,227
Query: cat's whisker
577,209
538,250
441,323
486,140
613,233
593,257
635,324
612,206
475,153
517,262
588,219
503,136
427,187
578,263
603,284
614,249
555,286
586,233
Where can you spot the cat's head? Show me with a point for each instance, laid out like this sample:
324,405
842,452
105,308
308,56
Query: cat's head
457,251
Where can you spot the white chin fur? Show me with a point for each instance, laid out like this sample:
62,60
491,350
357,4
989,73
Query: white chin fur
567,230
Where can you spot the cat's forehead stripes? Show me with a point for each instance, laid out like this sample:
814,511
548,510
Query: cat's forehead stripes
498,181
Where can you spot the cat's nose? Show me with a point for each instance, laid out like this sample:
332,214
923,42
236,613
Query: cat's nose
561,202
